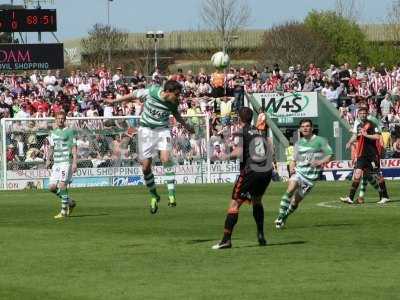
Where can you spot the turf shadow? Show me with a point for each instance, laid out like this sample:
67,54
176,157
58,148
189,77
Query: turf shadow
333,225
199,241
273,244
131,245
89,215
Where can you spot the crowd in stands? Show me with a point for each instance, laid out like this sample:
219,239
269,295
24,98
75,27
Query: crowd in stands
218,96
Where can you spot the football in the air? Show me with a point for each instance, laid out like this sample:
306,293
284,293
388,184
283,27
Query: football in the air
220,60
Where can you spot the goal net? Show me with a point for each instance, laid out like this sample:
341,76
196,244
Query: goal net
107,152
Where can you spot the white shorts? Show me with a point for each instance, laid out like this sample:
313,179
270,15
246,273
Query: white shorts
61,173
305,186
152,140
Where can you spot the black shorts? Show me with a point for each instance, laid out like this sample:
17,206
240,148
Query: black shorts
250,185
367,164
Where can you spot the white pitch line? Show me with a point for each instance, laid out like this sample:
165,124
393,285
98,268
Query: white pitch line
325,204
328,204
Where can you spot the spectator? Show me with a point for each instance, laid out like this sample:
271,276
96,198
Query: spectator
360,73
386,106
332,95
45,150
108,110
218,84
396,148
92,111
32,156
83,92
353,108
21,147
118,76
226,109
354,82
344,75
83,145
4,107
49,80
22,113
218,152
190,86
203,88
34,78
308,85
348,117
386,138
331,72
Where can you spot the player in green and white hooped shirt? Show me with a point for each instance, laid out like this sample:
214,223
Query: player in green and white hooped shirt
311,152
154,133
63,155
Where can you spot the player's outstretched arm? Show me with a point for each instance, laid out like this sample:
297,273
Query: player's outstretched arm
292,167
375,136
129,97
326,159
132,97
351,141
327,150
236,153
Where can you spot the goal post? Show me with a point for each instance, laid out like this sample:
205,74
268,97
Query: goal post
107,152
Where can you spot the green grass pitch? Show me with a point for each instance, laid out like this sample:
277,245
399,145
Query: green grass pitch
112,248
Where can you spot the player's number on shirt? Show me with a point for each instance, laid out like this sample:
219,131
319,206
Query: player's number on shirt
259,147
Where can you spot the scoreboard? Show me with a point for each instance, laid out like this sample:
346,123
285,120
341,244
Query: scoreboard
28,20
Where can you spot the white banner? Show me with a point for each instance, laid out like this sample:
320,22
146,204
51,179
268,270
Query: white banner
392,163
343,170
193,169
289,105
185,174
24,184
179,179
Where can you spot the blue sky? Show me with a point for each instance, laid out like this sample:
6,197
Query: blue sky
76,17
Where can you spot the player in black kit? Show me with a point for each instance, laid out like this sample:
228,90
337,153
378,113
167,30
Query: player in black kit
256,153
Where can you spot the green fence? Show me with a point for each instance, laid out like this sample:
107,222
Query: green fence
334,128
329,125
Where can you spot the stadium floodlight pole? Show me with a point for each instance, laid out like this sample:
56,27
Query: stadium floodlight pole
109,29
155,36
39,33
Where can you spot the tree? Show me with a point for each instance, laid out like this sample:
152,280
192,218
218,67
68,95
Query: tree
101,39
344,36
294,43
349,9
392,26
226,17
383,52
5,37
